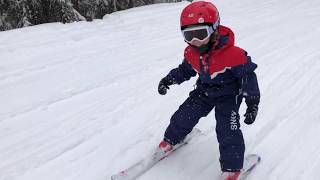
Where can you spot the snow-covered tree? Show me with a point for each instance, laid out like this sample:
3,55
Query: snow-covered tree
60,11
22,13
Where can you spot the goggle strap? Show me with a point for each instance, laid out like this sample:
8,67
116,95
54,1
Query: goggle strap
211,30
216,24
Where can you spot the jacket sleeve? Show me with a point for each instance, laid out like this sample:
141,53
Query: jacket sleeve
248,80
180,74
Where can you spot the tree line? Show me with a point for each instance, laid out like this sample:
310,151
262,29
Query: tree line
22,13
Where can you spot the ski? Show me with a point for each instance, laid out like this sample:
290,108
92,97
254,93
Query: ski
250,162
147,163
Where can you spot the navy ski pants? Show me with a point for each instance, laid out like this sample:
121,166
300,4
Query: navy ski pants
229,135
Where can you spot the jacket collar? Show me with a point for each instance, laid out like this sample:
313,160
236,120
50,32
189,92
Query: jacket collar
226,39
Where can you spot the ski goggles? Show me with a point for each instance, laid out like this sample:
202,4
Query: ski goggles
199,32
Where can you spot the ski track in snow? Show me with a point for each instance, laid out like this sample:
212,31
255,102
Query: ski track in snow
79,101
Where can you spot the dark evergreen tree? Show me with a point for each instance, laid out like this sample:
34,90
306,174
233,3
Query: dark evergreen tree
10,14
60,11
92,9
22,13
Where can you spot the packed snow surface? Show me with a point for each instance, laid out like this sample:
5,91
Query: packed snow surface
79,101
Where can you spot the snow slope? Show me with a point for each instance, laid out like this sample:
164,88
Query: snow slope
79,101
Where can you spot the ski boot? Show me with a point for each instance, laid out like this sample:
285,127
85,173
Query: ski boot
165,146
230,175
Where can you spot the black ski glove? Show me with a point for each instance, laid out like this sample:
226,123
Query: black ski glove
164,86
252,109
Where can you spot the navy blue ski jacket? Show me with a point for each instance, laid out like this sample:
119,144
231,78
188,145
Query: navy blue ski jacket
224,70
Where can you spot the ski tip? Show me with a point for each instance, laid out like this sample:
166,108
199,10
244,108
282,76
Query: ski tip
258,157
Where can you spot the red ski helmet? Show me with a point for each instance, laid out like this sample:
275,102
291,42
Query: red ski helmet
200,12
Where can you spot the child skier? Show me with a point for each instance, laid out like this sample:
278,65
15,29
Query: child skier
226,76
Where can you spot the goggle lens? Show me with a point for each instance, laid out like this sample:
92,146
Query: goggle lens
199,33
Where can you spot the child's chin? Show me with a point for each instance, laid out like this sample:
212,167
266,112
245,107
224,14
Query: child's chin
198,45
